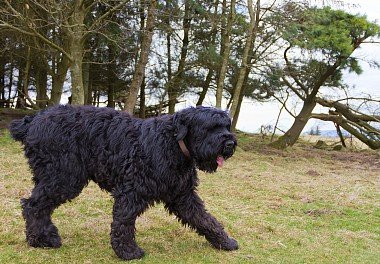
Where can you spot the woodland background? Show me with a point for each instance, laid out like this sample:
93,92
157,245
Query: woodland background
145,57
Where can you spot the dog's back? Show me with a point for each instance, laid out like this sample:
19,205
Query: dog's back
76,142
66,121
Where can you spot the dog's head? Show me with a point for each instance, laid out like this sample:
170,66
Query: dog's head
206,133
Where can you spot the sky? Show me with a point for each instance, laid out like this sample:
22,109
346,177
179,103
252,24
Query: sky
253,114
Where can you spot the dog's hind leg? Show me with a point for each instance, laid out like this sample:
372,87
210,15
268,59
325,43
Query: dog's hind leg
189,208
46,196
128,205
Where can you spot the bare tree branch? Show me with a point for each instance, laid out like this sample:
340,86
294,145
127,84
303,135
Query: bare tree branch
373,143
106,14
346,111
291,71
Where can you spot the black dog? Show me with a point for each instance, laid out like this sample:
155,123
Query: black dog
139,161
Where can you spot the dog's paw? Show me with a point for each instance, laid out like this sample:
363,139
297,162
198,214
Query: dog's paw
43,241
131,253
47,237
229,244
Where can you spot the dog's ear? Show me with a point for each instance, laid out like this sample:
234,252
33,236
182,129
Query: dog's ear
180,128
181,124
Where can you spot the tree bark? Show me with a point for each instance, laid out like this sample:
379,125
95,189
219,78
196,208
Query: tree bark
143,58
58,79
168,42
60,66
10,81
76,51
111,68
225,51
237,111
86,82
142,99
254,17
339,132
344,123
2,80
23,92
241,96
20,102
175,83
291,136
345,111
77,90
41,87
206,84
214,32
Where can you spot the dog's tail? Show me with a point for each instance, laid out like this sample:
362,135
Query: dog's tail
19,128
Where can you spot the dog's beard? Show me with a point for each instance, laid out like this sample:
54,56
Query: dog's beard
208,166
209,157
214,161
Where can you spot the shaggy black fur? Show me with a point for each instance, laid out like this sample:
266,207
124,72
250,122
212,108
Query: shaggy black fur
138,161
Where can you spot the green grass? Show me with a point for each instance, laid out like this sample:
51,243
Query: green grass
294,206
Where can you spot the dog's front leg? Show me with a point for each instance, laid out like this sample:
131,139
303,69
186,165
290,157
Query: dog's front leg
125,211
189,208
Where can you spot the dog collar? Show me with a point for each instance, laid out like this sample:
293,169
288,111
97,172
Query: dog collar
184,149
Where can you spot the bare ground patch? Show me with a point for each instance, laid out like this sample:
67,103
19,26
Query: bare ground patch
366,159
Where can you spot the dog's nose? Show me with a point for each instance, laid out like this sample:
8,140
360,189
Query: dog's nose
229,144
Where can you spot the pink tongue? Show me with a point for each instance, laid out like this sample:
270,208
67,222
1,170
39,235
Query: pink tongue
220,161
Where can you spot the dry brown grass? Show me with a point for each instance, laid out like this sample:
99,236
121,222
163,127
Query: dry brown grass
295,206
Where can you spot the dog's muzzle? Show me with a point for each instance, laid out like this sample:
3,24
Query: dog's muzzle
229,148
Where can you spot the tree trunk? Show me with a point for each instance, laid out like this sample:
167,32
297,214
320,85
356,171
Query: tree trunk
175,83
344,123
111,76
41,87
90,87
40,61
241,96
23,91
10,81
76,51
206,84
168,42
339,132
254,19
143,59
86,81
57,86
77,89
20,103
214,32
291,136
58,79
237,112
2,81
142,99
225,52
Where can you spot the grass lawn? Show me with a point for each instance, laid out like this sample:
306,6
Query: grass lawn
301,205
